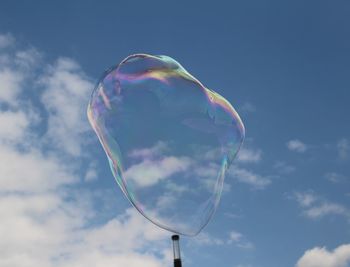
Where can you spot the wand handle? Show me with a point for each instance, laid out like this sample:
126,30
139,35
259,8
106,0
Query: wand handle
176,249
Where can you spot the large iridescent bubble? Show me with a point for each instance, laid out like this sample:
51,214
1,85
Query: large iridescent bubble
169,140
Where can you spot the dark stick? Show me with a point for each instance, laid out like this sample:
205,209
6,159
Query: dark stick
176,248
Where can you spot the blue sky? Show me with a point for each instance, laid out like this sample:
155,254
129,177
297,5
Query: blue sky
282,64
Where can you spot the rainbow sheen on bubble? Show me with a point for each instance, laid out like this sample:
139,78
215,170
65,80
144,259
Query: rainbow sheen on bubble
169,140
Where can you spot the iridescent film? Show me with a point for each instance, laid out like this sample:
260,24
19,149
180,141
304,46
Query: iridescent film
169,140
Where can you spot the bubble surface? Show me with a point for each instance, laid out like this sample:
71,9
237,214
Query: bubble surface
169,140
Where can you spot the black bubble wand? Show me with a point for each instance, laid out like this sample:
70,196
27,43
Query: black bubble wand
176,250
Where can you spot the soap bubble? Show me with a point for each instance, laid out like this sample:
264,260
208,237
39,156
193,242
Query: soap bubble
169,140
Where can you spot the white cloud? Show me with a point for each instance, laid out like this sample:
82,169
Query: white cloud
26,59
26,170
15,68
151,152
208,171
177,188
47,217
57,228
10,84
305,199
248,177
207,174
91,173
67,92
127,232
335,177
243,175
239,240
150,172
13,125
321,257
343,147
296,145
246,155
314,207
205,239
235,236
325,209
31,171
209,183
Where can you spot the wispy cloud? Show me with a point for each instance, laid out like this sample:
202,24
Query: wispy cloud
233,238
325,209
207,175
66,88
10,81
247,107
6,40
249,177
284,167
91,172
208,169
247,155
150,152
16,123
315,207
205,239
149,172
239,240
297,146
335,177
322,257
305,199
343,147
